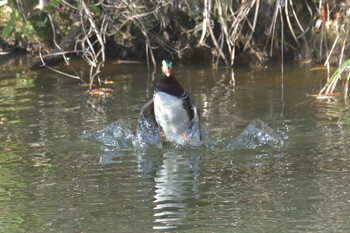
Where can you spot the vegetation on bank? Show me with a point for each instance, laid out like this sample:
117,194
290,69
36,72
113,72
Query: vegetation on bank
218,31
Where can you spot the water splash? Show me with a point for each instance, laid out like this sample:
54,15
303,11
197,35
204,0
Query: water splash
147,131
117,134
257,133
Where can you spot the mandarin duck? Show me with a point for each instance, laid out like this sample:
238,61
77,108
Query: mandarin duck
170,113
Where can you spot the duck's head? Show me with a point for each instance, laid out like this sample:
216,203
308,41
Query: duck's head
166,67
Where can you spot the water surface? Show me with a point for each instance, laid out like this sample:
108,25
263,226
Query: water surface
51,180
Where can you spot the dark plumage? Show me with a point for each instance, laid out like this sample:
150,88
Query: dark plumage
172,87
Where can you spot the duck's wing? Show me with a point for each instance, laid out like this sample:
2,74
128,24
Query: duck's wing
193,112
194,131
147,111
190,107
147,130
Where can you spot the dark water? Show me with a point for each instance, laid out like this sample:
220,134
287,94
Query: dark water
51,180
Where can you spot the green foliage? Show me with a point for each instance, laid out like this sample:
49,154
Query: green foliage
40,24
15,29
52,4
96,10
10,24
336,76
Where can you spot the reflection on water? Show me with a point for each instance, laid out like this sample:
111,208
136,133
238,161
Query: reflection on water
53,181
175,184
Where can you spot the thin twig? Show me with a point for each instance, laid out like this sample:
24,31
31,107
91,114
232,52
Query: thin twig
55,70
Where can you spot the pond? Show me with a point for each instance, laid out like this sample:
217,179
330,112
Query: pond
52,180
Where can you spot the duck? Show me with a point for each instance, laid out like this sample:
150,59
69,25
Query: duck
170,115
